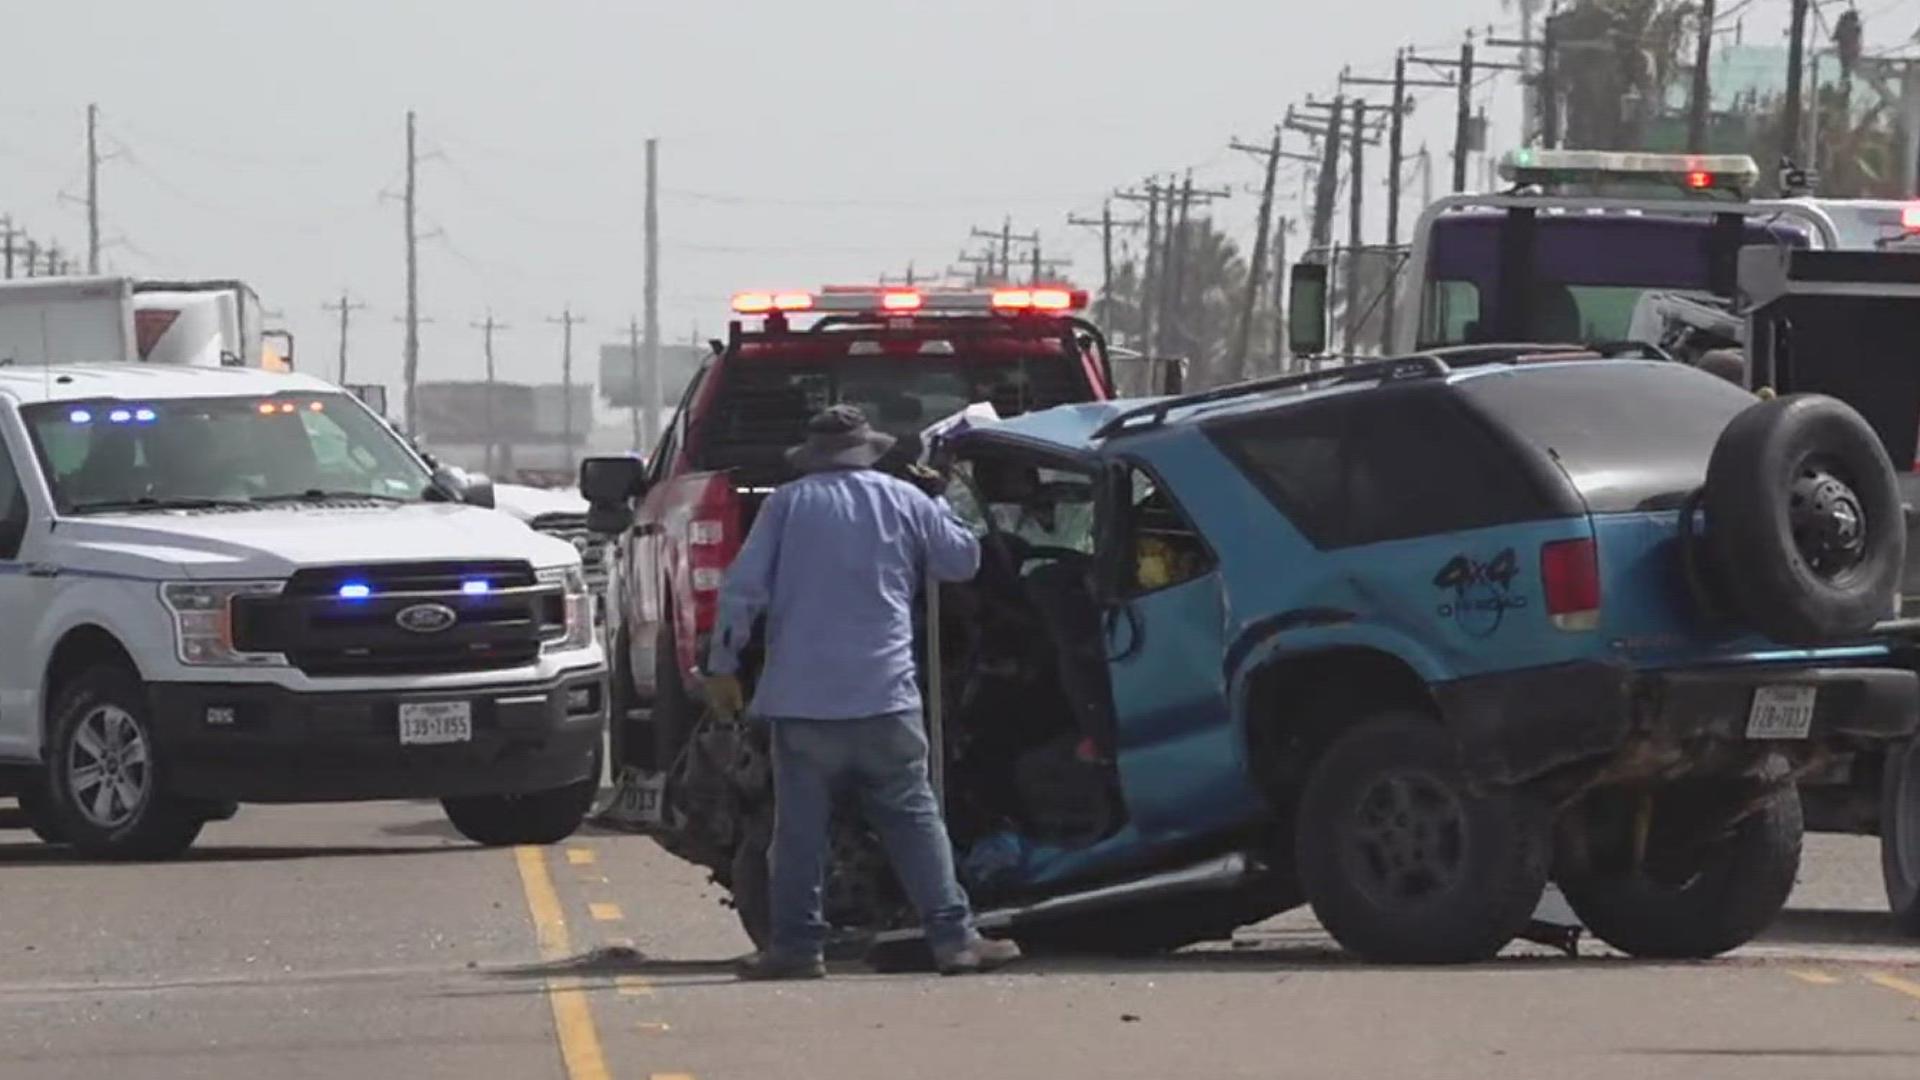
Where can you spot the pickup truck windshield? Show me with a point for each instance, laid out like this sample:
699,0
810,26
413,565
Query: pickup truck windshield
762,406
118,456
1587,274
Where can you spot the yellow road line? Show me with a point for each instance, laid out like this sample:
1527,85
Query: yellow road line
1817,978
1895,983
572,1016
579,856
605,912
632,986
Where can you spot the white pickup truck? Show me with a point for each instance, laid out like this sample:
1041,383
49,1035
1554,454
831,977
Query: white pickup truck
227,585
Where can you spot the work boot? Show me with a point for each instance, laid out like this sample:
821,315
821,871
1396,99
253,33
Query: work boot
777,967
981,954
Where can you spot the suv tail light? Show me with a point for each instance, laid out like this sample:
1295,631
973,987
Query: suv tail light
1570,574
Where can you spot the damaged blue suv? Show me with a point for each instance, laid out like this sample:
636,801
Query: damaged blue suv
1403,640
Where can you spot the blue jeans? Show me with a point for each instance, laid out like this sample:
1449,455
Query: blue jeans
882,759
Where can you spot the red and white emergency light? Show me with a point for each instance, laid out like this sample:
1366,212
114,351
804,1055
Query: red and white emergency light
873,300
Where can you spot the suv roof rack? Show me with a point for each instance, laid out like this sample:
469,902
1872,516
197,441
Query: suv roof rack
1433,363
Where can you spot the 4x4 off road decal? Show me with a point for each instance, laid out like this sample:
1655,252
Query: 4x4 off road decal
1482,591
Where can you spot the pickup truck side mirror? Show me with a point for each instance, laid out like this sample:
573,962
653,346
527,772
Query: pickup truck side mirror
459,485
1307,310
609,484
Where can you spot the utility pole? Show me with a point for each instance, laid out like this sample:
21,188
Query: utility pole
8,234
487,328
1796,56
410,355
1106,224
344,307
1281,227
1463,117
633,345
33,257
93,190
1529,90
1150,273
1243,329
654,404
1355,190
1698,100
566,320
1006,238
1396,157
1179,246
1321,238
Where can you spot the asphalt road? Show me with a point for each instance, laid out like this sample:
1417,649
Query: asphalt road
370,942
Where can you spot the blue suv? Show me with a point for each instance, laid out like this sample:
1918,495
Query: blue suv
1404,641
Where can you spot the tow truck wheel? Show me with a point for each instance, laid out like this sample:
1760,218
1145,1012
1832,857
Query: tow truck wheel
105,773
674,712
1900,834
1403,860
1700,887
542,817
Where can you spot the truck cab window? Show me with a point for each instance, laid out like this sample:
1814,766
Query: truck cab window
1165,547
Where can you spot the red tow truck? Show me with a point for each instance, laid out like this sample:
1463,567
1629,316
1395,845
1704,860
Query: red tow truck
907,357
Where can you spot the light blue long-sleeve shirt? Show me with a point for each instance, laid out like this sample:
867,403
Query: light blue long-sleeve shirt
835,559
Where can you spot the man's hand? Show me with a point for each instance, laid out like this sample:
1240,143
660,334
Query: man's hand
725,696
931,481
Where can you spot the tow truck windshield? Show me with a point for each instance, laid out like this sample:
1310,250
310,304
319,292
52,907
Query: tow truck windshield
204,453
1585,273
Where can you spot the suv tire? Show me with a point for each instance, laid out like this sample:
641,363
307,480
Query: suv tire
541,817
106,772
1804,520
1900,833
1402,860
1721,897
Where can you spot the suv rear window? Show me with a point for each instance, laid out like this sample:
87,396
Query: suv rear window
762,405
1631,435
1368,466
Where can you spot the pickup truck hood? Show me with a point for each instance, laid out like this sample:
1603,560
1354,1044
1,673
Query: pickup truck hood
531,503
274,542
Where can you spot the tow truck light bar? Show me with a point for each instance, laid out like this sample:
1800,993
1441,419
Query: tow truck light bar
844,299
1731,173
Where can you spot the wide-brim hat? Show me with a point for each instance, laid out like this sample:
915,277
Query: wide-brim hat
839,437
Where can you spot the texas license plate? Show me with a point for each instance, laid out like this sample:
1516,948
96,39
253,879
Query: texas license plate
1781,712
427,723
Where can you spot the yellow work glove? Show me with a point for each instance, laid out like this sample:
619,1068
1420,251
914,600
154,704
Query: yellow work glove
725,695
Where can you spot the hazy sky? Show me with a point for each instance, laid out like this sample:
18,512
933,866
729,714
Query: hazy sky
800,142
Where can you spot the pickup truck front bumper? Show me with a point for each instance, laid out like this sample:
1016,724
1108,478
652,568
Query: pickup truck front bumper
262,743
1519,725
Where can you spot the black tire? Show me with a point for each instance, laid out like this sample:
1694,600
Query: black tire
1804,520
1900,833
620,702
38,810
674,710
1403,861
542,817
1696,901
102,725
749,883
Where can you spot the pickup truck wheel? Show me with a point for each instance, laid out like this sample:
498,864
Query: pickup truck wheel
1403,861
674,713
1692,896
38,810
620,697
106,792
1900,833
1804,520
542,817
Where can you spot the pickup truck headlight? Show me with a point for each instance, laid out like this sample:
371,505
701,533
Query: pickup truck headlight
203,621
579,608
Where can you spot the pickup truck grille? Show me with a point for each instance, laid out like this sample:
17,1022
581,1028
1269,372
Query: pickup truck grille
324,633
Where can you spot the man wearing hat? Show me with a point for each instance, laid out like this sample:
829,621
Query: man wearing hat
834,561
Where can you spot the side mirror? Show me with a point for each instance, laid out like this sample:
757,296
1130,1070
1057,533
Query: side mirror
1307,310
458,485
612,479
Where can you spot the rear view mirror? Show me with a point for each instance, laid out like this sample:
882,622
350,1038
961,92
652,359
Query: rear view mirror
1307,310
612,480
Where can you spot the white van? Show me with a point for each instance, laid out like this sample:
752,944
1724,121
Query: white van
226,585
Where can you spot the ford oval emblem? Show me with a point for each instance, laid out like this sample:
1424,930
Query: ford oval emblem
426,618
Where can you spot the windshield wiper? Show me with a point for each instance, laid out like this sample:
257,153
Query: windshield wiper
153,502
323,495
